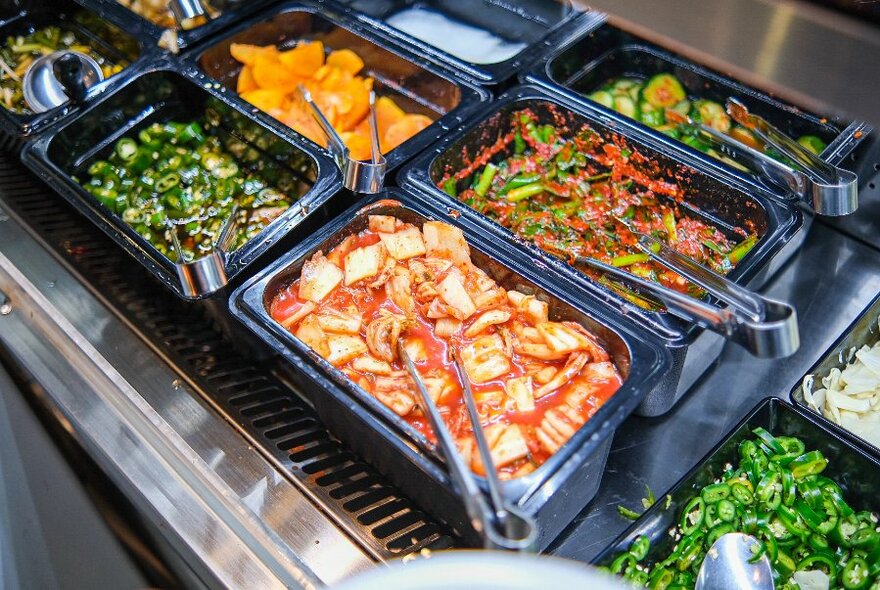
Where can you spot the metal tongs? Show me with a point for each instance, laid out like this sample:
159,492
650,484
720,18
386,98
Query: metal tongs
765,327
829,190
501,525
358,176
188,13
206,274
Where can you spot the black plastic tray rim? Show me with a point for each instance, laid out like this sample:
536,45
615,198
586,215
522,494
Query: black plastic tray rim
35,156
492,75
783,221
472,95
648,358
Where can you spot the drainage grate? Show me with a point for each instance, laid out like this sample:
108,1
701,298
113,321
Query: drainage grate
265,409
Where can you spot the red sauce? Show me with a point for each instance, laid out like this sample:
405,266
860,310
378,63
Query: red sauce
590,191
437,362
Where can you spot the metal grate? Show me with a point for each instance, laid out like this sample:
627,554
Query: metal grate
266,410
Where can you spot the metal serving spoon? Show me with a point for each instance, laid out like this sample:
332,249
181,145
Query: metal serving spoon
730,564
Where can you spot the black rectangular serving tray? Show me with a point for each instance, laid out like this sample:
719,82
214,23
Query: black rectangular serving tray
865,330
167,92
542,24
20,18
416,84
726,200
585,63
857,473
557,490
149,32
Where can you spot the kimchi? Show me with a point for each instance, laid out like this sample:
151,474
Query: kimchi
535,381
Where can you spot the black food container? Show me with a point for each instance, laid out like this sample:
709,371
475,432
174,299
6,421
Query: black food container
168,94
539,25
857,473
724,200
416,85
23,18
584,64
150,33
864,331
556,491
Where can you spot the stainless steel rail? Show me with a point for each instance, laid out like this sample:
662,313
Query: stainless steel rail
221,505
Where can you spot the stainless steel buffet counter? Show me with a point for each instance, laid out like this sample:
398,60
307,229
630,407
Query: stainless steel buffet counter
237,518
226,510
231,472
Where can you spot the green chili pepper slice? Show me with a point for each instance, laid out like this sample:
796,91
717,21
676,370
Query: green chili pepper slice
693,515
855,574
808,464
818,561
639,548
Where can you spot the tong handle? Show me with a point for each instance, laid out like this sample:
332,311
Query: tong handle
832,191
776,336
519,532
335,145
790,180
68,69
744,300
833,199
227,231
811,163
482,444
357,176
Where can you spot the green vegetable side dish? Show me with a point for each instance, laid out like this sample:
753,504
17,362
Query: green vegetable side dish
648,101
778,494
175,175
18,53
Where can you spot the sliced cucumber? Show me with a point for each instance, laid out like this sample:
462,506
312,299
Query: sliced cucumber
635,92
664,90
812,143
682,107
712,114
743,135
626,106
622,86
603,97
695,143
670,130
653,118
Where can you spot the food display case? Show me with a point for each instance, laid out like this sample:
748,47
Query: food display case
575,243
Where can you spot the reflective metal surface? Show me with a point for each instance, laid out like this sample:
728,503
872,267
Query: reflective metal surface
829,283
221,505
730,565
814,57
42,88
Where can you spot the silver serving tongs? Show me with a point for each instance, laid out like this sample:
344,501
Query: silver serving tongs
767,328
206,274
828,190
357,176
188,13
501,525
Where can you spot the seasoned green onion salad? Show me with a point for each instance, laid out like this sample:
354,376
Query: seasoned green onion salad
648,102
177,177
18,53
778,494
